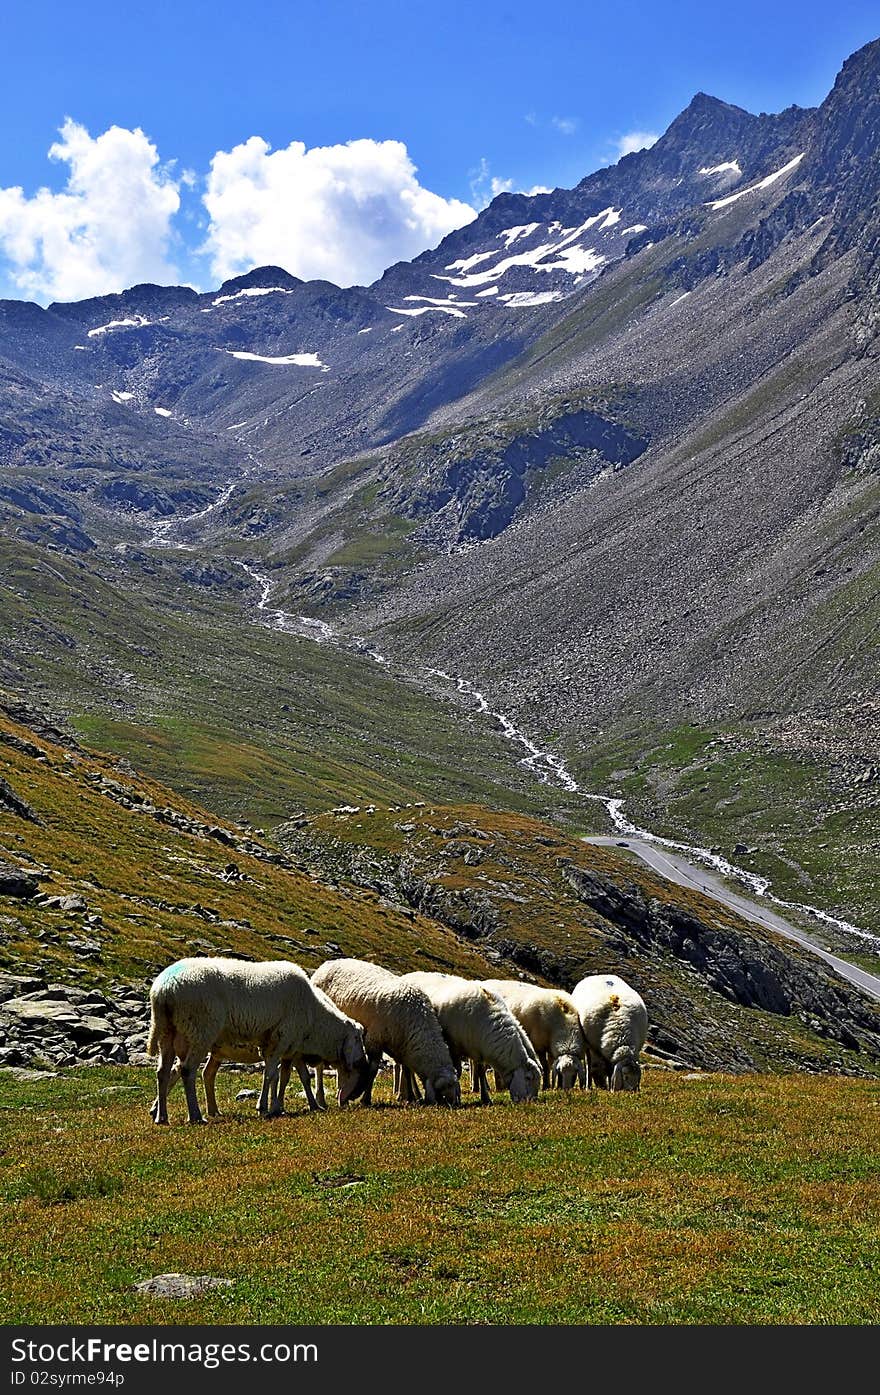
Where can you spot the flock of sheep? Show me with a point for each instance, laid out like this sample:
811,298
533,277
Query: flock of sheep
351,1013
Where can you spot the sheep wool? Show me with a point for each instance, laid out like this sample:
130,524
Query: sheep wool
478,1025
550,1020
614,1020
397,1018
199,1005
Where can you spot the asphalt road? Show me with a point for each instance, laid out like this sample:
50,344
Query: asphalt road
677,869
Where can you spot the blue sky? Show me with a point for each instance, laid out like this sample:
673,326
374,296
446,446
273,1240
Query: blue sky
525,95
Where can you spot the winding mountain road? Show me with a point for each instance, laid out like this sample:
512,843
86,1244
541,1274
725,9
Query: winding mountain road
676,868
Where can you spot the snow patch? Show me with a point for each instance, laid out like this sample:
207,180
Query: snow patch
762,184
576,260
512,235
433,300
442,306
490,290
678,299
122,396
612,217
249,291
137,323
465,263
279,360
162,411
729,166
522,298
368,330
636,228
81,346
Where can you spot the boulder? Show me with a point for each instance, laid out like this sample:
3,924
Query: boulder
14,881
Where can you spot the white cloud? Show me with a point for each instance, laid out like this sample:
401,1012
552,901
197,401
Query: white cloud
340,212
485,186
635,140
107,229
566,124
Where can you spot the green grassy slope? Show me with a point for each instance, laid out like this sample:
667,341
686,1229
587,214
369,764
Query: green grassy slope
702,1200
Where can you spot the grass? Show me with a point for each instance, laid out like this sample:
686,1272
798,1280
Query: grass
262,724
706,1200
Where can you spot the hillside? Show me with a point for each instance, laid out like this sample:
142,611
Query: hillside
106,876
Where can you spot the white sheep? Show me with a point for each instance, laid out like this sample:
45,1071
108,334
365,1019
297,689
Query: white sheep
478,1025
614,1020
550,1020
398,1019
199,1005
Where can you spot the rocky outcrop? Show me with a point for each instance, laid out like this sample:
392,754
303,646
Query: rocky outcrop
64,1025
479,479
12,803
15,881
742,966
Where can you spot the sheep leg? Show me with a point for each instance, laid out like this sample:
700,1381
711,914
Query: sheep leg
266,1104
373,1071
283,1079
302,1071
164,1071
485,1096
277,1088
172,1081
408,1091
209,1075
188,1068
319,1087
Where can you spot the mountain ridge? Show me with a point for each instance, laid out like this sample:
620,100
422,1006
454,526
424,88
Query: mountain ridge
443,464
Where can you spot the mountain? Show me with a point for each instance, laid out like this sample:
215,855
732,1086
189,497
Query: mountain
609,454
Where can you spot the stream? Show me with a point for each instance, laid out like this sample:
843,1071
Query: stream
544,765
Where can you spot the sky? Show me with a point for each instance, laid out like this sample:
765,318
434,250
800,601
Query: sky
186,142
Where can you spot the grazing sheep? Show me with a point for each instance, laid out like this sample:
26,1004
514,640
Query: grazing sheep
478,1025
199,1005
550,1020
397,1018
614,1020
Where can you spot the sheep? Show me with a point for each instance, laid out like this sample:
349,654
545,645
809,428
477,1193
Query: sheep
550,1020
614,1020
478,1024
397,1018
199,1005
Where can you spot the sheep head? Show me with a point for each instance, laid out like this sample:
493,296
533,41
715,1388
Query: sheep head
568,1071
353,1070
626,1071
444,1088
525,1082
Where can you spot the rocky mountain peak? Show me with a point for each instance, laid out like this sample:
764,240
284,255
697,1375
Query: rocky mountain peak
261,277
